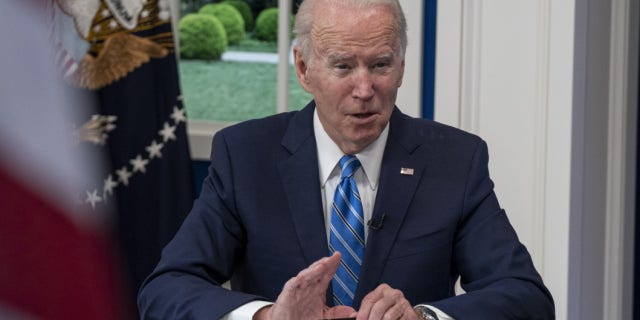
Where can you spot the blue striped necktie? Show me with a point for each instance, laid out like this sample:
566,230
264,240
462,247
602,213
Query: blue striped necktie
347,233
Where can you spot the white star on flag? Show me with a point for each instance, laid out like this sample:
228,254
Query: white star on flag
178,115
93,198
168,132
95,140
154,149
123,175
109,184
139,164
102,140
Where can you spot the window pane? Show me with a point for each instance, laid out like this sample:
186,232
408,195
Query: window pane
234,91
241,83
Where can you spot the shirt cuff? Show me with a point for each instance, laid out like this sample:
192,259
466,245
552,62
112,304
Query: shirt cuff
246,311
441,315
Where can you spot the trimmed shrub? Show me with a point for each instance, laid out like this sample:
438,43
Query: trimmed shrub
245,11
267,25
231,20
202,37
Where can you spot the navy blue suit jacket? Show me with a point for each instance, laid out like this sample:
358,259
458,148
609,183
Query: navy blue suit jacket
259,221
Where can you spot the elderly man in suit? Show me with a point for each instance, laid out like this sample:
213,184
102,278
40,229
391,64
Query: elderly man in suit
347,208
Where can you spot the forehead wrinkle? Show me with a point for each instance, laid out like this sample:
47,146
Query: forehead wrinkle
335,28
327,39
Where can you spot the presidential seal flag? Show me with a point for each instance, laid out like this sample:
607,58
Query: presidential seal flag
122,53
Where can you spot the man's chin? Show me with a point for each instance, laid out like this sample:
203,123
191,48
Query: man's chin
359,143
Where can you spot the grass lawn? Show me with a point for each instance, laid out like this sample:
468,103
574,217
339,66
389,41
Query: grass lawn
234,91
250,44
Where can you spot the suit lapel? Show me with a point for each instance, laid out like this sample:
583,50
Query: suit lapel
299,174
395,191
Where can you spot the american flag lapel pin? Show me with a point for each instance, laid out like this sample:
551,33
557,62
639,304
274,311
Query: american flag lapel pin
406,171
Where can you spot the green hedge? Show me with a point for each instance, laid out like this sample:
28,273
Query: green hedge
231,20
245,11
202,37
267,25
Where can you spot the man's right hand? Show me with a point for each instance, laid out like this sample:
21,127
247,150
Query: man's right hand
303,296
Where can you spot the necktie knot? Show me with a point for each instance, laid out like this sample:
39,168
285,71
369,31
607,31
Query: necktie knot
348,164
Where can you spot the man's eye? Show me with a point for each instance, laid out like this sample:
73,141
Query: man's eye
342,66
381,65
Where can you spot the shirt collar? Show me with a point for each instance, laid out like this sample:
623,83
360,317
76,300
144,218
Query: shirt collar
329,154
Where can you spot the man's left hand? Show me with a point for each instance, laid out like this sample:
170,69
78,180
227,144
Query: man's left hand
386,303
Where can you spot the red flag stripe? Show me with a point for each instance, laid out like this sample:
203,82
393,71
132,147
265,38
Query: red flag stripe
52,269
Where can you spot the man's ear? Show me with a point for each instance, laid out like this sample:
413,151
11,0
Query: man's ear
302,69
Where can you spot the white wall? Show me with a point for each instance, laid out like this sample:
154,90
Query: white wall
410,94
494,81
533,79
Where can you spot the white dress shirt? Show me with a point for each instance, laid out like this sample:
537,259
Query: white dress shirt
366,176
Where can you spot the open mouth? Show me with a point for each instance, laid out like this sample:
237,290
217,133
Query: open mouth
363,115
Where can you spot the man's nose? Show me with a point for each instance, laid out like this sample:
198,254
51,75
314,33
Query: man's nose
363,87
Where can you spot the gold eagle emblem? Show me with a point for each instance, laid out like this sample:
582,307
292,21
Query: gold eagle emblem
98,46
121,54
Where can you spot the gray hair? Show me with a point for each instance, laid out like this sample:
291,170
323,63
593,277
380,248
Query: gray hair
304,21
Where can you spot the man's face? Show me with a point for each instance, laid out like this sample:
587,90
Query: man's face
355,73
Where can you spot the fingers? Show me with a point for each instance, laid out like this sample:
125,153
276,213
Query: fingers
331,264
303,296
316,276
326,266
339,312
385,303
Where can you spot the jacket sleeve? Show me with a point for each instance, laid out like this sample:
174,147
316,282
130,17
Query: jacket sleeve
496,270
186,284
